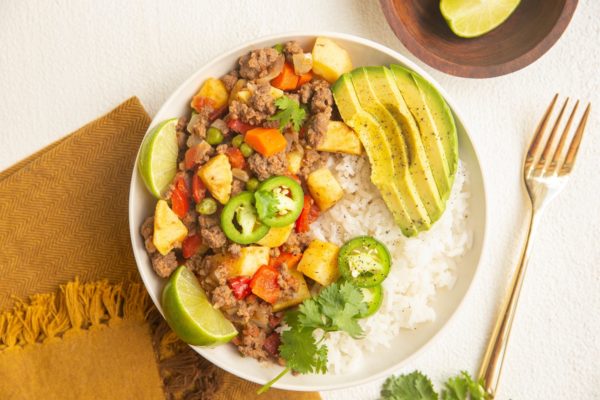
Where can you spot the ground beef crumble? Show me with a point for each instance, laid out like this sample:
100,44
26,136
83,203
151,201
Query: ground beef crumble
290,48
311,161
265,167
261,63
297,242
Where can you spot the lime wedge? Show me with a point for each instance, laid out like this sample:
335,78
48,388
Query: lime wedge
190,314
158,157
472,18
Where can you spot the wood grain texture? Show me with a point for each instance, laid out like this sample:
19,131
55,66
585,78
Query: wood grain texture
525,36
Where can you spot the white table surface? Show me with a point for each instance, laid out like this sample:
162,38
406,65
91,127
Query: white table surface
63,63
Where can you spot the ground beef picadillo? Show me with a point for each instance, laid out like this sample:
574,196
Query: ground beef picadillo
254,318
251,317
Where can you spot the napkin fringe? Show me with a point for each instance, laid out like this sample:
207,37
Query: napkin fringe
76,306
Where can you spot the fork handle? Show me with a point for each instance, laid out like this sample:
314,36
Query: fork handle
491,367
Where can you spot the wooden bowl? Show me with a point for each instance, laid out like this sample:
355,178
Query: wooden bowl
525,36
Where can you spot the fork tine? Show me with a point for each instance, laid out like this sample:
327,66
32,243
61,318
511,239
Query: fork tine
533,150
563,138
576,141
548,147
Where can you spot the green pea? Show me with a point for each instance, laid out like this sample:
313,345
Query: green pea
246,150
279,48
214,136
252,184
207,206
237,141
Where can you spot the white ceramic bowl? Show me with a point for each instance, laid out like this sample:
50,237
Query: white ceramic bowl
408,343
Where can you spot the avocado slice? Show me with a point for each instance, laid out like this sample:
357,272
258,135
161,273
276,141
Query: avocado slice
384,94
366,91
434,149
435,121
384,173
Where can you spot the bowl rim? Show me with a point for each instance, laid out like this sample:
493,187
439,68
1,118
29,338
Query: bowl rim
478,71
133,230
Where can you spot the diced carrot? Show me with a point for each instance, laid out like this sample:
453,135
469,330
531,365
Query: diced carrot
264,284
302,79
266,141
287,79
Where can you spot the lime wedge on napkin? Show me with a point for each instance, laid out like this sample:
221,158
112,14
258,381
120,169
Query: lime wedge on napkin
190,314
472,18
158,157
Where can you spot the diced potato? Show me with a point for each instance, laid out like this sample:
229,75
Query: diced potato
294,159
217,177
276,93
169,231
298,297
243,96
324,188
251,258
340,138
276,236
302,63
212,93
330,60
319,262
239,85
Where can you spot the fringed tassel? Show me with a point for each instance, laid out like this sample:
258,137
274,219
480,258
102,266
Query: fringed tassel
76,306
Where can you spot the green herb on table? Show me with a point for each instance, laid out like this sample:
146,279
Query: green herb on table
416,386
336,308
290,111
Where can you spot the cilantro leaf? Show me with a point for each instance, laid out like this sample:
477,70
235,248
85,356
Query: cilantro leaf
290,111
298,348
460,386
310,314
414,386
342,305
266,204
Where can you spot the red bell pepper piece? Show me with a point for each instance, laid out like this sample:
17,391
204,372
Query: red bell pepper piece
240,286
236,158
180,202
309,214
238,126
290,259
264,284
198,188
191,245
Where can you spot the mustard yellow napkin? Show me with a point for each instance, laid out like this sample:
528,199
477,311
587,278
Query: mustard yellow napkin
85,328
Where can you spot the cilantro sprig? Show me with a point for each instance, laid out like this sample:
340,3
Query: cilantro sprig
336,308
290,111
417,386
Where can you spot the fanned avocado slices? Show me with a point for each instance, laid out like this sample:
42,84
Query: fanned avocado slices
399,111
383,172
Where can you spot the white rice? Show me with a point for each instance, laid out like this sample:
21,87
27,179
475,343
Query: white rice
420,266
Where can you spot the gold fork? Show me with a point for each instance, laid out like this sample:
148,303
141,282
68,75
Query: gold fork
545,172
